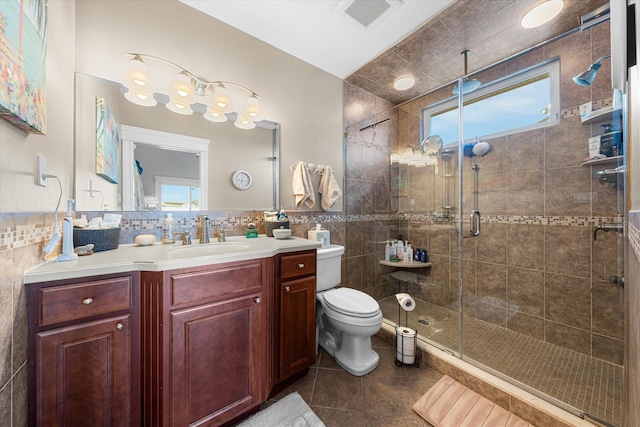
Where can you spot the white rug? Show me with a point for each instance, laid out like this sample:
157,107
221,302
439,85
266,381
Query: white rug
292,411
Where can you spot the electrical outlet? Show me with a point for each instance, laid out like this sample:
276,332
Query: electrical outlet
41,171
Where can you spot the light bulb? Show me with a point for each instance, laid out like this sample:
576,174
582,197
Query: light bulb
243,122
215,116
252,109
220,101
137,76
139,97
179,107
182,90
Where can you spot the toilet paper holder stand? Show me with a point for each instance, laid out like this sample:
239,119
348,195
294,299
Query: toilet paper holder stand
406,347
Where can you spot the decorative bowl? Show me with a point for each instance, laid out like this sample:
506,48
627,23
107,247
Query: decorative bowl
281,233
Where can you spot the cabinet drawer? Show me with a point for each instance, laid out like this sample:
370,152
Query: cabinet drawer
297,265
220,282
70,302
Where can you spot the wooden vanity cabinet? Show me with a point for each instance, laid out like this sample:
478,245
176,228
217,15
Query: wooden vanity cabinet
294,343
84,352
204,334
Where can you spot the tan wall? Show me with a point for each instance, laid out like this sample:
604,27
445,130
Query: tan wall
305,100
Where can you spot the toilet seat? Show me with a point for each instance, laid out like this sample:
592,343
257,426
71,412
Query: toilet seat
351,302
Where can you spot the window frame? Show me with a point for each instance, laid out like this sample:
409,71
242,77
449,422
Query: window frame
181,182
550,67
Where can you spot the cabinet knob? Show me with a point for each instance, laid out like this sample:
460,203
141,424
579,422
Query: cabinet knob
87,301
300,265
286,288
119,326
257,300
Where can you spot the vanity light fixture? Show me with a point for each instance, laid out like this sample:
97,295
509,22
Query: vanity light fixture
187,91
404,83
541,13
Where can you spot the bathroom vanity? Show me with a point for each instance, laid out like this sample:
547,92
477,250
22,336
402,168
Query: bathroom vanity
169,335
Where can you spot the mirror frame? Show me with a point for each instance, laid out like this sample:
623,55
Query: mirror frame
166,141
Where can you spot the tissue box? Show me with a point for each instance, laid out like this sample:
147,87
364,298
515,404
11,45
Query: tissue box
321,236
103,239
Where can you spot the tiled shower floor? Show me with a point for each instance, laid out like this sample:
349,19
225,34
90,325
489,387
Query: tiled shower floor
591,385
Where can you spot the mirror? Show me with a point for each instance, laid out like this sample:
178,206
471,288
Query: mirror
134,158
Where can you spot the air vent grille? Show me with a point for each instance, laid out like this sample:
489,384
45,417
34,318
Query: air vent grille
366,12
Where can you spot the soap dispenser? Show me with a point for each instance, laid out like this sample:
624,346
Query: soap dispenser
67,236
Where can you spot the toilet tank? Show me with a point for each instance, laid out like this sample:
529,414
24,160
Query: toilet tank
328,267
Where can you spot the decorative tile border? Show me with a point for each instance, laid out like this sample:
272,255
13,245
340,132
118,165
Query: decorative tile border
595,105
12,237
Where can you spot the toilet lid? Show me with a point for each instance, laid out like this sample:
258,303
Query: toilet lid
351,302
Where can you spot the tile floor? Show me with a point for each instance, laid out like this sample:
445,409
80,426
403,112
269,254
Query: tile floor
381,398
591,385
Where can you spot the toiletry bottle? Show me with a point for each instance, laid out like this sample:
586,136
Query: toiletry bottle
409,254
387,251
401,253
400,249
416,255
424,257
167,230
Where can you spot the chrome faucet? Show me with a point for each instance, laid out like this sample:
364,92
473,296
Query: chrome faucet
606,227
222,237
205,229
184,236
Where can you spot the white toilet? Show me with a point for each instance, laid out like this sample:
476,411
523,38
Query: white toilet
345,318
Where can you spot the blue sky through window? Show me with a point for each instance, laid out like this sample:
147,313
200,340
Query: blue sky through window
516,108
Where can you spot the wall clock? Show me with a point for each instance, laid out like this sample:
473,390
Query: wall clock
241,179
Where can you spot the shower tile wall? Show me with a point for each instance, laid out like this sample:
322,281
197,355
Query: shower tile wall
535,268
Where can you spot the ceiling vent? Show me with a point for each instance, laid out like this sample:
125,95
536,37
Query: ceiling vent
368,13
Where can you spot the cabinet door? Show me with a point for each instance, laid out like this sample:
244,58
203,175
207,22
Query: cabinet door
83,374
297,325
215,363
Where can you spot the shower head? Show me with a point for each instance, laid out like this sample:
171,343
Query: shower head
586,78
467,85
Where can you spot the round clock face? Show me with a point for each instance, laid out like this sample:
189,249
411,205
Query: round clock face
241,179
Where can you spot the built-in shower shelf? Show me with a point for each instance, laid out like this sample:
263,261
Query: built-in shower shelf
602,161
403,264
601,115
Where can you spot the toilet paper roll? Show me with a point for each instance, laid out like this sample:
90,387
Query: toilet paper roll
406,302
406,345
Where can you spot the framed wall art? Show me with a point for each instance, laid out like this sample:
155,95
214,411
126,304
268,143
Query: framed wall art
107,143
23,48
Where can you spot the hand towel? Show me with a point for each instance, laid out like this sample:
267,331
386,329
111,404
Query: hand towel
302,188
329,189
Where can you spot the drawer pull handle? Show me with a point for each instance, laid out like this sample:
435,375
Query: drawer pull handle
257,300
300,265
119,326
286,288
87,301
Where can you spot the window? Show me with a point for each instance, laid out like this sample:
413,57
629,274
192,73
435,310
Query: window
520,102
178,194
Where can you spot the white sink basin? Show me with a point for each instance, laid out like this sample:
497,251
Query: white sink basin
210,249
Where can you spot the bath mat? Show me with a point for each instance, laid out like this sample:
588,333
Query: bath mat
291,411
450,404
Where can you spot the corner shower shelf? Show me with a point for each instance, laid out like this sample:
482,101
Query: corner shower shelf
603,114
405,264
601,161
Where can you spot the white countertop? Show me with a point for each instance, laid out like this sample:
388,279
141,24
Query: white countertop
159,257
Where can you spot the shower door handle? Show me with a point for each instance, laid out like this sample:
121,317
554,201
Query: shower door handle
475,222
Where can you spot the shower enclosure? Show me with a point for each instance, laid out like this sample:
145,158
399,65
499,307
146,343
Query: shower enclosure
525,241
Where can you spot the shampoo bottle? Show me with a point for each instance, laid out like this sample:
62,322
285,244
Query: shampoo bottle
167,230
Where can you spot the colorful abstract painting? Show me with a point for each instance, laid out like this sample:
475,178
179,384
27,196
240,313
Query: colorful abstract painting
23,48
107,143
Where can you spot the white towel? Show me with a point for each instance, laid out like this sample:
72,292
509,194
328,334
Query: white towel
329,189
302,189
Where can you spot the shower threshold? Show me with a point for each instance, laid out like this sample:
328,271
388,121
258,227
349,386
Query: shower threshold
592,386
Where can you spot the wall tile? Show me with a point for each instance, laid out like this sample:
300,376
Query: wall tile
525,290
567,300
6,316
609,349
567,250
525,324
567,336
531,253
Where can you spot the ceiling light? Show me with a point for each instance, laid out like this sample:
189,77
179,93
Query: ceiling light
187,90
542,13
404,83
